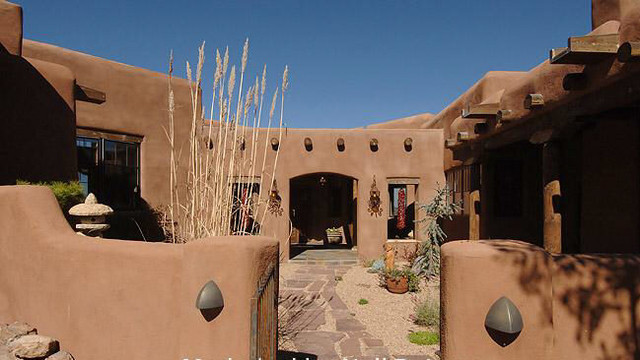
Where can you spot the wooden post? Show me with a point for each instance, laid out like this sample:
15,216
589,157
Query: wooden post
474,215
551,197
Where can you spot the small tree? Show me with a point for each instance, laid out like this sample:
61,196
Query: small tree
441,207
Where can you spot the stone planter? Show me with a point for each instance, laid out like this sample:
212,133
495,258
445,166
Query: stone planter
398,285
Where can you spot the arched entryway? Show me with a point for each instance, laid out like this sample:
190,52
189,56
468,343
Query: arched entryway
323,212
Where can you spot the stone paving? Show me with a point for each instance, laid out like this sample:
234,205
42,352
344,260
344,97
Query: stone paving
316,321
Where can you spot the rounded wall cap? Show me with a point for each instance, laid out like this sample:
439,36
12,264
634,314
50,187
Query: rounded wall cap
90,207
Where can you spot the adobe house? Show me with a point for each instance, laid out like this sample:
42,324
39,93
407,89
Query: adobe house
104,127
551,156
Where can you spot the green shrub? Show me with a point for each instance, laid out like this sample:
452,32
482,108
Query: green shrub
67,193
363,301
424,338
427,313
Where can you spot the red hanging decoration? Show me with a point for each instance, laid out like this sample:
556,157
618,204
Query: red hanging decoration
402,207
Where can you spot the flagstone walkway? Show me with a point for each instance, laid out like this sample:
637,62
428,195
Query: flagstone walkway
315,321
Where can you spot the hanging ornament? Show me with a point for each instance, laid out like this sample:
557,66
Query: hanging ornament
375,203
402,208
275,201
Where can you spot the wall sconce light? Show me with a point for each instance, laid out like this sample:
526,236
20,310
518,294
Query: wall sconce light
275,143
503,322
340,144
210,301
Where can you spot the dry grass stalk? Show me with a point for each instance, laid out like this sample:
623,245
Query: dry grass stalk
216,196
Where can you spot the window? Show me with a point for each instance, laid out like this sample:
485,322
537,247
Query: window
401,221
109,167
245,207
461,181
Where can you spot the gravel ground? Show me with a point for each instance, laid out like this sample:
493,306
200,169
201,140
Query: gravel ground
387,315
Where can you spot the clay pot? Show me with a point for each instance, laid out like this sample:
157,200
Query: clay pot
398,285
334,239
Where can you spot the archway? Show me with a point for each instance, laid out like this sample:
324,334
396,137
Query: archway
323,212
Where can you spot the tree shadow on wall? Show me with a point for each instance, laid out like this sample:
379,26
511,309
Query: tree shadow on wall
592,290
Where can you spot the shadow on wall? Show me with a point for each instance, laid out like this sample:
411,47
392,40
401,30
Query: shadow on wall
595,304
38,125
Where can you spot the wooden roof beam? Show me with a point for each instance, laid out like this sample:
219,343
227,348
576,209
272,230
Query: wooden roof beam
586,49
480,111
85,93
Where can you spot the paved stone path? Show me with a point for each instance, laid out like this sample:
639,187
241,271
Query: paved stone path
316,321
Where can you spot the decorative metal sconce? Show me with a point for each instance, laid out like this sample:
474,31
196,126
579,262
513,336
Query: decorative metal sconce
373,144
340,144
275,144
210,301
308,144
503,322
275,201
408,144
375,203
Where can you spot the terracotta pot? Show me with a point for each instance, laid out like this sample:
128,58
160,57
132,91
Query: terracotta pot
398,285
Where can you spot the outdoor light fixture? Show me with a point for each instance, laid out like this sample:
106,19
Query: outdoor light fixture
275,143
340,144
503,322
210,301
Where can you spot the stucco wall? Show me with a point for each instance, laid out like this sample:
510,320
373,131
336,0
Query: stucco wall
109,299
423,163
37,141
136,104
11,27
573,307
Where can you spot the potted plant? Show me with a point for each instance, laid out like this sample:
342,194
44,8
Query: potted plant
334,235
396,280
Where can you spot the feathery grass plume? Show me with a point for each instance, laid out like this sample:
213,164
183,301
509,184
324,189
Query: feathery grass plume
211,204
273,104
264,80
218,74
245,54
256,94
285,79
225,64
232,81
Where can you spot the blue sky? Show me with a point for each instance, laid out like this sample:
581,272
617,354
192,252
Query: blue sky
352,62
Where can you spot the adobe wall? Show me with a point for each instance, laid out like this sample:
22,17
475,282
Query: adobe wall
11,27
573,307
131,300
423,162
136,104
37,117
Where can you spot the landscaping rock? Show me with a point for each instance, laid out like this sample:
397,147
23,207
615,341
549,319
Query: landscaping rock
14,331
5,354
33,346
61,355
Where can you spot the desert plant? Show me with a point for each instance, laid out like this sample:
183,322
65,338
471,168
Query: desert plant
68,193
441,207
363,302
221,191
427,313
424,337
334,231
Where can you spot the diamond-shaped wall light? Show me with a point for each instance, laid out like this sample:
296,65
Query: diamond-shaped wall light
503,322
210,301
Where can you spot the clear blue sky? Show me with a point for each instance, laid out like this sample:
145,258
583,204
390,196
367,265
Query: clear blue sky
352,62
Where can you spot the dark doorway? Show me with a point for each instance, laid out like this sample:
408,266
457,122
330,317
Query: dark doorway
323,212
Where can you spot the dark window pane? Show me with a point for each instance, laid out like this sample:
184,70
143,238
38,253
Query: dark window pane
88,160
